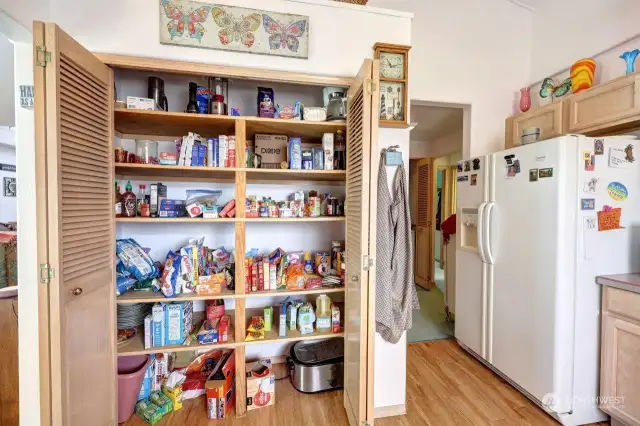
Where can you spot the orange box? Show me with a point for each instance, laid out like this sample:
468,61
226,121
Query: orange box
220,389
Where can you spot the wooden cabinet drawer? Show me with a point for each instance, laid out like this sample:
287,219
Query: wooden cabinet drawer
622,302
620,373
601,106
548,118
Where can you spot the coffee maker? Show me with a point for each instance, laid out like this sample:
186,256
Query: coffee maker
156,92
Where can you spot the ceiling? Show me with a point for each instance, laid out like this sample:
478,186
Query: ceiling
434,121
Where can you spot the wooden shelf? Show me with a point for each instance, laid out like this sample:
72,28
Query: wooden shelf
131,297
295,292
294,219
294,176
163,123
292,336
174,220
135,346
298,128
159,171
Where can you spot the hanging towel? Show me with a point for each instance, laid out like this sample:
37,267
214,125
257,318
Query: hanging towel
395,290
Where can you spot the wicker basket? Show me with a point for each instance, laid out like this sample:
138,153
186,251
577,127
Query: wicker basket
362,2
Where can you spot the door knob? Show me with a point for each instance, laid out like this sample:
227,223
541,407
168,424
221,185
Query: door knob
76,291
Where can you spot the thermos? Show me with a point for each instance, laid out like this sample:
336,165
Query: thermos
156,92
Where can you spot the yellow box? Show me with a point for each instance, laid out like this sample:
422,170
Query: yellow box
175,395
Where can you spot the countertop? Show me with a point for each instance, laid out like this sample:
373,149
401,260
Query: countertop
628,282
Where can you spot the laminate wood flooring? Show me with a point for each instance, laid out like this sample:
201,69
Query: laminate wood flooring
445,386
8,362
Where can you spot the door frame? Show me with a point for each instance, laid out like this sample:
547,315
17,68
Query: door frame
430,226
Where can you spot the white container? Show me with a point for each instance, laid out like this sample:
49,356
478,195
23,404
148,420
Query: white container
530,135
323,313
315,114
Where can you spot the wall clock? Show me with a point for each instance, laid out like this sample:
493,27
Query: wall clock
394,79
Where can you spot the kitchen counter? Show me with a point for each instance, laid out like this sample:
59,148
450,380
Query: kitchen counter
628,282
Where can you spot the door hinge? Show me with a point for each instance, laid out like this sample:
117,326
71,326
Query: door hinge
43,56
367,262
371,86
46,273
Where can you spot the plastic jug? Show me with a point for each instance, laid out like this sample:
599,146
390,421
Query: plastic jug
323,313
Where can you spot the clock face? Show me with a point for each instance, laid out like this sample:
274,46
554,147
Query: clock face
392,65
391,101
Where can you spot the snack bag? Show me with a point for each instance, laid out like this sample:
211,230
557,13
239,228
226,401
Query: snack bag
169,280
135,260
255,331
295,277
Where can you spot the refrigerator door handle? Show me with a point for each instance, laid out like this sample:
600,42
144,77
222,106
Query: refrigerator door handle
480,229
488,216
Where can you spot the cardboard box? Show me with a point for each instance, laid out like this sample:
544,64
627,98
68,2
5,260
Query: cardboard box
178,322
146,104
261,385
223,151
220,388
223,329
157,312
175,395
272,149
158,193
208,333
327,146
148,331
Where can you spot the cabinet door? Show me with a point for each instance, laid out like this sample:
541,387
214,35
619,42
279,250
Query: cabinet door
74,133
548,118
620,370
608,105
425,263
362,140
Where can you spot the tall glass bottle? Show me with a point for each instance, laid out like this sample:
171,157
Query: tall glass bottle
118,201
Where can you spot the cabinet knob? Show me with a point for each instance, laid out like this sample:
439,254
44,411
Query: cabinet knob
77,291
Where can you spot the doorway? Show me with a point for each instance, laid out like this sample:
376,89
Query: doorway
436,146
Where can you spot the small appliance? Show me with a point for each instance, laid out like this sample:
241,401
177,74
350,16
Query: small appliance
156,92
317,366
337,107
219,89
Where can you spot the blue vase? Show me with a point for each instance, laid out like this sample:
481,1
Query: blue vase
630,59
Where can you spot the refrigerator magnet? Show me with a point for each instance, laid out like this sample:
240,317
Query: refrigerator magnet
476,164
589,161
587,204
516,164
474,180
509,159
617,191
511,171
467,166
545,173
589,223
463,178
598,147
609,218
621,157
591,185
533,175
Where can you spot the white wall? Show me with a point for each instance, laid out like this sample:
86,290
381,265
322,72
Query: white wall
340,39
7,117
565,31
440,147
470,52
7,204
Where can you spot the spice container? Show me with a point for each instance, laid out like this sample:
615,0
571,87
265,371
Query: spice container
146,152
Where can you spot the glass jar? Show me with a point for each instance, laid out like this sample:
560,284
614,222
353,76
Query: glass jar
147,152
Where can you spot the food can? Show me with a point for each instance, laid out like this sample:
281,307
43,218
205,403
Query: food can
314,206
264,211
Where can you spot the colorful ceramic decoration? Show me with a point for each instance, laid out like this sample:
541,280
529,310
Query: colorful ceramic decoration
582,73
223,27
525,99
553,88
630,58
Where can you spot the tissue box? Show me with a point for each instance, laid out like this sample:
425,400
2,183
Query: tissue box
261,385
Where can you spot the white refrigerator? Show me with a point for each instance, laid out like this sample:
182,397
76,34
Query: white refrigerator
535,225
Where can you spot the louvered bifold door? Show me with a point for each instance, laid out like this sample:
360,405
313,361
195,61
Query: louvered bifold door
425,262
76,116
362,126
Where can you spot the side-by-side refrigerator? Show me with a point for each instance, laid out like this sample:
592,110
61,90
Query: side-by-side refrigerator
535,225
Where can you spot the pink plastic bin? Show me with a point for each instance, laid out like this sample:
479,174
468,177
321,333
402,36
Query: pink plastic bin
131,371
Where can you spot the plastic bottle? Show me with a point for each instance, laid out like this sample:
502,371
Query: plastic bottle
323,313
129,202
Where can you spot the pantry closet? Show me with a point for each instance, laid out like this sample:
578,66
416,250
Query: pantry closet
76,124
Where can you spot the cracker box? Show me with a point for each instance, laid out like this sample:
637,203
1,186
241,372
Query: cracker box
208,333
261,385
220,388
272,150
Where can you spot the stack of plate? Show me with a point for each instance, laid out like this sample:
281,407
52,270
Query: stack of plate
131,316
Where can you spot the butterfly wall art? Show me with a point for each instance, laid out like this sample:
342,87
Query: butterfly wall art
223,27
554,88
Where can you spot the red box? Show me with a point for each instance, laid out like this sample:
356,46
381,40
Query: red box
215,310
220,389
223,329
260,274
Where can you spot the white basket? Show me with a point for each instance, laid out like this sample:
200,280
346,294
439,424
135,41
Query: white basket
315,114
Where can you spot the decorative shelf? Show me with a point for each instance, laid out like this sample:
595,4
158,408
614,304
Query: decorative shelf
135,346
131,297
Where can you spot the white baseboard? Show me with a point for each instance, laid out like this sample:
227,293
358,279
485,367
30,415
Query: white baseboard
389,411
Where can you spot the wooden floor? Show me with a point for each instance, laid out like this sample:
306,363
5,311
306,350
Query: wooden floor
445,386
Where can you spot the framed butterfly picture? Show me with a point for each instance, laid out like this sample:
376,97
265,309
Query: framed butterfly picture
223,27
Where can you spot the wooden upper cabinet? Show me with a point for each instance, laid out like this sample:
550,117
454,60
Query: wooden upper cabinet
548,118
612,104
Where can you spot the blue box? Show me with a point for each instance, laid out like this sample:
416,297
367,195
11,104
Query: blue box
171,208
157,312
178,322
318,159
208,333
295,153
